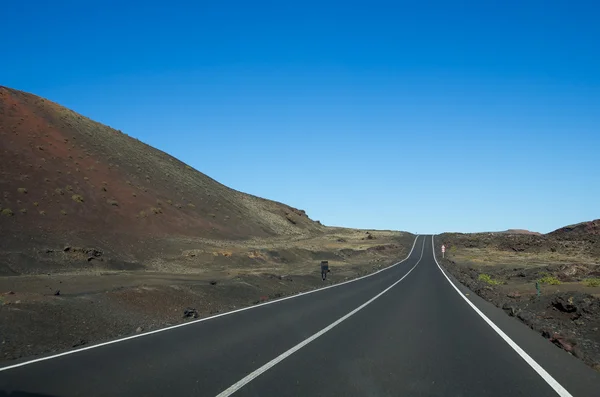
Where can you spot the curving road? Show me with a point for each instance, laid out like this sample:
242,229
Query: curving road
404,331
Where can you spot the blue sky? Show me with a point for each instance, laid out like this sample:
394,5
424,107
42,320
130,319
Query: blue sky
429,117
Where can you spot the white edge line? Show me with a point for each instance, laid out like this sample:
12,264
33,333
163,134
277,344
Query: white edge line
561,391
203,319
253,375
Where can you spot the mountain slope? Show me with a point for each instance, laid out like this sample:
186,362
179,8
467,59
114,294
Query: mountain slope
66,178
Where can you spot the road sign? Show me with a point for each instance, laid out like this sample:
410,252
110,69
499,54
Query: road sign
443,251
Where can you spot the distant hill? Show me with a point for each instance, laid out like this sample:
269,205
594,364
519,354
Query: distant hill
583,228
521,231
66,178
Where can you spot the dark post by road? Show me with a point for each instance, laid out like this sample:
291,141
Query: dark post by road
324,269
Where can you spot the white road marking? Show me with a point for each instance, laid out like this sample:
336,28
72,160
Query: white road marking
253,375
205,318
561,391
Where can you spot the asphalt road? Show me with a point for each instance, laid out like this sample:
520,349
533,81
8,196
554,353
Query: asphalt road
405,331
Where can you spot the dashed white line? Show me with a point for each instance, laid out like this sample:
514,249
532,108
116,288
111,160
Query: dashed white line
253,375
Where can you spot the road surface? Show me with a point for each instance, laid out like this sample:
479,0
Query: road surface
405,331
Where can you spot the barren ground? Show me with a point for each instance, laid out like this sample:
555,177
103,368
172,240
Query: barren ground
95,304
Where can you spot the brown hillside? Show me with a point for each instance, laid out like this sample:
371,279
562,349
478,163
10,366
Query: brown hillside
65,178
583,228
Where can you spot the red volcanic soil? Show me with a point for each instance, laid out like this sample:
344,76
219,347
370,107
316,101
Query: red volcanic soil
67,179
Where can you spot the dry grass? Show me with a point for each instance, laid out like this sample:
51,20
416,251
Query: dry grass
7,212
493,257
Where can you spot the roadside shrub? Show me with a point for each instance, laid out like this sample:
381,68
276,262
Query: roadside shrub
549,279
7,212
592,282
486,278
77,198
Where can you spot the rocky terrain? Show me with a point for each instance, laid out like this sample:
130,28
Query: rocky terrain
103,236
550,282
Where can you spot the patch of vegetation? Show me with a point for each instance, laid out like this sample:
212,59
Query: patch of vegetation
77,198
156,210
143,214
169,202
59,191
69,188
112,202
23,210
486,278
592,282
63,212
35,203
22,190
191,205
42,212
549,279
7,212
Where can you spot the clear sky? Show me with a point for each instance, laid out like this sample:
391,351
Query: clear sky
419,116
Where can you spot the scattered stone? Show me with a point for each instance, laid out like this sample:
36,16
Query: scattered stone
566,306
139,330
57,292
213,282
511,309
514,294
80,343
10,293
67,249
190,312
91,258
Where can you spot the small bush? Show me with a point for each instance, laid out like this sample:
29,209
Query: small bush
23,210
42,212
35,203
191,205
77,198
592,282
169,202
486,278
549,279
69,188
59,191
112,202
63,212
156,210
22,190
143,214
7,212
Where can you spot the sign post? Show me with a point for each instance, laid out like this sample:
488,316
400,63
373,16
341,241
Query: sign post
443,251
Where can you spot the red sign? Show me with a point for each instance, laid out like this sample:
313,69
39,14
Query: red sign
443,248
